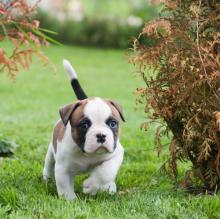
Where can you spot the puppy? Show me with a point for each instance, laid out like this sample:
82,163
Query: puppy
85,139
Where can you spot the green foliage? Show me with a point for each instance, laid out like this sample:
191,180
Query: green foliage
104,24
91,31
120,9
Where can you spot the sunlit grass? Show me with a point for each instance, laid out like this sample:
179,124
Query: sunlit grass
28,110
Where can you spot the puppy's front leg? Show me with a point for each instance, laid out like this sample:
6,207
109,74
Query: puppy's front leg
103,176
64,182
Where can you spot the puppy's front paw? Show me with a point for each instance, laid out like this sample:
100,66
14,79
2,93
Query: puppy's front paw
90,186
68,196
109,187
71,197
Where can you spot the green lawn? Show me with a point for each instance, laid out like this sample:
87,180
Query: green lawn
28,111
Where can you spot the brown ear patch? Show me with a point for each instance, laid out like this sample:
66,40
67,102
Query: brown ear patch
116,109
58,134
78,113
67,110
73,113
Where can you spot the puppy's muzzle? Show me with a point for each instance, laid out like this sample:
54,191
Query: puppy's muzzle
102,150
101,138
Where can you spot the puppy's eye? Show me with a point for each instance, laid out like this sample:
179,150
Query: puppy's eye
112,124
84,125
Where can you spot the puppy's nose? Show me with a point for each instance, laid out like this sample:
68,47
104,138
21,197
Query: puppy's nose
100,138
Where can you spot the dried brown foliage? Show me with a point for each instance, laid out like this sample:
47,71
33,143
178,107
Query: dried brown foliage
22,31
184,91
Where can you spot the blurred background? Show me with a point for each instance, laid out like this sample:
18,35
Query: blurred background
101,23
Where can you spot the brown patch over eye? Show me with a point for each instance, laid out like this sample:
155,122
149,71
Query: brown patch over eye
77,133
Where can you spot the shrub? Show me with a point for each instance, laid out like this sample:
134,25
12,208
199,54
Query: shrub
184,92
91,31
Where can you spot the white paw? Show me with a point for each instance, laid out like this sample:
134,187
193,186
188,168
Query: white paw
109,187
47,175
90,186
68,196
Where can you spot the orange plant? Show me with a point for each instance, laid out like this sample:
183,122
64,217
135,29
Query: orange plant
18,26
184,91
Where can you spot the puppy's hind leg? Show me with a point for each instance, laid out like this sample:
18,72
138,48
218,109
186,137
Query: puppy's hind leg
48,171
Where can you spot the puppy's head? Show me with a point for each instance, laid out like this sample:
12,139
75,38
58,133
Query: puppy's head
94,124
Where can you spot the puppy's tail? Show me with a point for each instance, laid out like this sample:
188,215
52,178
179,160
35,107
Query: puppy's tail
80,94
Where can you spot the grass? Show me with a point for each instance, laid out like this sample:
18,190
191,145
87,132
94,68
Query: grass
29,109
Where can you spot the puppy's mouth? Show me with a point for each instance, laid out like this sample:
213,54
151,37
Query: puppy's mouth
102,150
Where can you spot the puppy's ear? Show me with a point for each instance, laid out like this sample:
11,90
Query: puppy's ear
118,108
67,110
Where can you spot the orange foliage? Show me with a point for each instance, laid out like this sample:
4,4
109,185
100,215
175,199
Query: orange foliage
22,31
184,91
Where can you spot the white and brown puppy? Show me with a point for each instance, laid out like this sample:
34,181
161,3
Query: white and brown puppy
85,139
